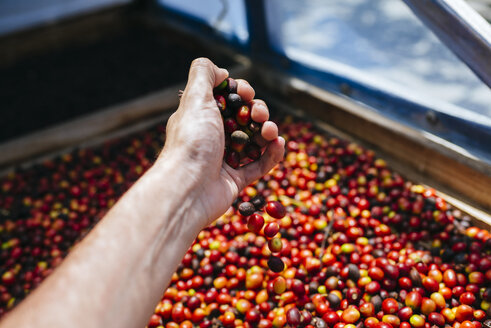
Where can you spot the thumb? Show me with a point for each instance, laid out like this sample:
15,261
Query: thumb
203,77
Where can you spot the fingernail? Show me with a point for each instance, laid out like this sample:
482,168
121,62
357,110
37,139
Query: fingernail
281,140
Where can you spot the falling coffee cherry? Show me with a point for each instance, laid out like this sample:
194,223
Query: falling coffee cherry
276,264
275,209
271,229
275,245
255,223
246,209
258,202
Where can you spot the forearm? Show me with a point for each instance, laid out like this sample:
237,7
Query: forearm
117,274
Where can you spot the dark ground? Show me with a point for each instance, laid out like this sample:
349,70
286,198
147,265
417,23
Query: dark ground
50,88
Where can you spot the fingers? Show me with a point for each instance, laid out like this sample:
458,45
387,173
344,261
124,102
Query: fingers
203,77
269,131
259,110
245,91
272,155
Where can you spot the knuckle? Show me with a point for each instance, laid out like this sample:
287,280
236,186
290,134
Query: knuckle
201,62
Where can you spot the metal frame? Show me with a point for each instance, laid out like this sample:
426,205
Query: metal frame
462,30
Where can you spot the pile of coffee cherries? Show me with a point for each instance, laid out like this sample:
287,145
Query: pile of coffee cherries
242,134
397,255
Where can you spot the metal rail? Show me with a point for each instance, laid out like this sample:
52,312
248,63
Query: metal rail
462,30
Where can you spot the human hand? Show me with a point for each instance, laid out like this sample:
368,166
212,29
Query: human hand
195,139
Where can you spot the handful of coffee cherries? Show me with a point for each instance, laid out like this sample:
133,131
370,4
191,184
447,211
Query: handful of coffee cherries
241,132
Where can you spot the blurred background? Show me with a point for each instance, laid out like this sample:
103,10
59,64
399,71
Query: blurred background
375,52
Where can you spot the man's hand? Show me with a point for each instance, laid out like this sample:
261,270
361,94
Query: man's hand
116,274
195,136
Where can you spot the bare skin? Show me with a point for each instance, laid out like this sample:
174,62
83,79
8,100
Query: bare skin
116,275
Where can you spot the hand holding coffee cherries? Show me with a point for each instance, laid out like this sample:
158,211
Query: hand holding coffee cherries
137,246
196,137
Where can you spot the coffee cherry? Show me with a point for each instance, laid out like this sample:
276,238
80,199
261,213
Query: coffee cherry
231,86
390,306
222,86
276,264
293,317
253,151
436,318
228,318
243,116
427,306
246,209
415,277
8,278
279,285
331,318
253,316
254,280
230,125
238,140
405,313
353,272
298,287
232,158
255,223
275,209
392,320
221,102
367,309
271,229
243,306
234,100
350,315
414,300
155,320
417,321
464,312
275,245
258,202
430,284
334,300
